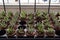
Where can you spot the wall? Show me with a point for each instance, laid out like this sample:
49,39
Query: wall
30,8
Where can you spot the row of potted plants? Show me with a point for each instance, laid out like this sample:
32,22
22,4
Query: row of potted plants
23,24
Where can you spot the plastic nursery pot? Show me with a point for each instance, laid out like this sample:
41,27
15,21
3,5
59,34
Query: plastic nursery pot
2,32
52,34
20,32
22,26
10,32
24,19
41,34
31,32
22,22
38,19
57,30
3,28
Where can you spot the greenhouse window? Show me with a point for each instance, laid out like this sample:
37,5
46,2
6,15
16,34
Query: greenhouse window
44,0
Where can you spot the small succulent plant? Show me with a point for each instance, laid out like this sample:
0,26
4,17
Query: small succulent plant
50,30
30,28
12,22
23,14
6,19
30,16
3,25
2,14
39,13
40,27
20,30
9,14
10,30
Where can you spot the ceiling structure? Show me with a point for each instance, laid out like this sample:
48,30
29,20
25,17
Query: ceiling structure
30,2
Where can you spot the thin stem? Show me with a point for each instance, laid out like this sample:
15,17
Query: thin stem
4,6
35,7
19,7
49,6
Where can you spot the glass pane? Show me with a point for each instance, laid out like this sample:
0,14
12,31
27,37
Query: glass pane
31,1
54,1
37,1
24,1
5,1
43,1
0,1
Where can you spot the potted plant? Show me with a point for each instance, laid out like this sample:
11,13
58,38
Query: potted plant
30,30
2,28
6,20
23,18
41,16
23,15
30,18
9,15
57,28
46,24
2,25
20,32
40,29
50,32
56,23
2,15
10,31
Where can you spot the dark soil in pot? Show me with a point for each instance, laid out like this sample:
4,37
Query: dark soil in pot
11,37
2,32
57,32
38,19
22,22
50,34
22,27
20,35
40,35
30,35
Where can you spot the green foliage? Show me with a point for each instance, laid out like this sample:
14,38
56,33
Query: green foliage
6,19
9,14
23,14
39,14
30,28
2,14
50,30
42,15
47,23
12,22
30,16
20,30
10,30
40,27
3,24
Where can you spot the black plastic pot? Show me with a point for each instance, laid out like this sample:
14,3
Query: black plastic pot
22,27
2,32
22,22
57,32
